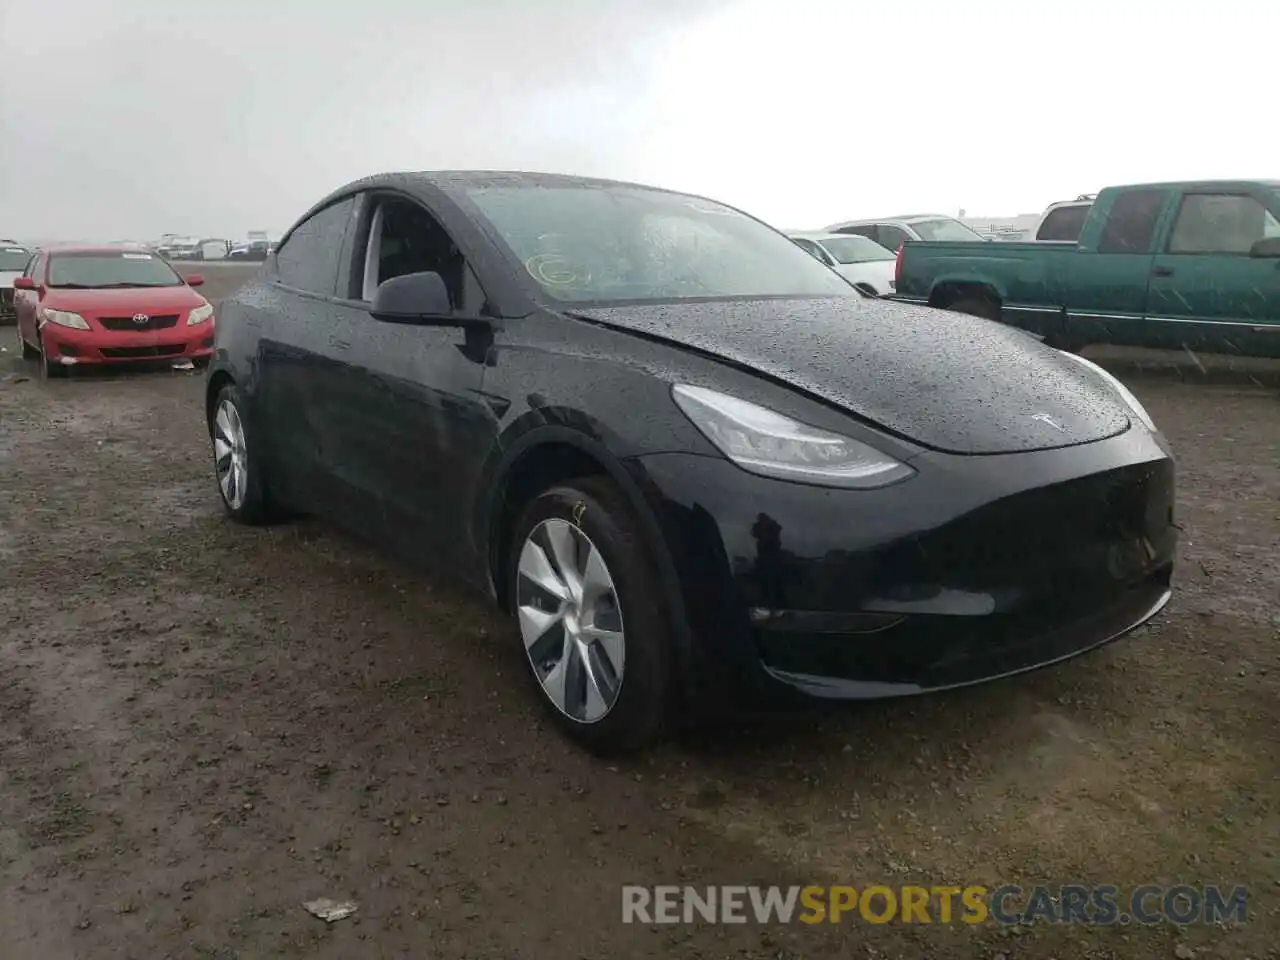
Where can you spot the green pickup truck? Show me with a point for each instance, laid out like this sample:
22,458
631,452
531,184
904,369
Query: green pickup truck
1165,265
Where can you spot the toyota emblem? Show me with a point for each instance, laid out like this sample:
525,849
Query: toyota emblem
140,318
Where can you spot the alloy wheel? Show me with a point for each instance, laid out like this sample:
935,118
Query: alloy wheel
570,620
230,454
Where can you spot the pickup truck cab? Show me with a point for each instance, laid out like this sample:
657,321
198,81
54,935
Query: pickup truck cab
1165,265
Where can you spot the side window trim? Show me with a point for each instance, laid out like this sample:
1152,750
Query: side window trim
376,199
372,245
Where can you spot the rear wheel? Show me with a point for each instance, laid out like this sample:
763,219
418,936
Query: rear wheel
977,307
595,633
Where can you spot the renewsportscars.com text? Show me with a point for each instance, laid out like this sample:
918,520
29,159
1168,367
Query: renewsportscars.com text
1103,905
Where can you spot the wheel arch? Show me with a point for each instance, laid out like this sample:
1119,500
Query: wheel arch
948,291
217,380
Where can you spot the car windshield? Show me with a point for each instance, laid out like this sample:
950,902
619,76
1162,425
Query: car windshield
614,243
103,269
852,248
944,230
14,258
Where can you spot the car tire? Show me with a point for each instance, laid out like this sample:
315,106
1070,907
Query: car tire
49,371
635,687
976,307
245,496
28,351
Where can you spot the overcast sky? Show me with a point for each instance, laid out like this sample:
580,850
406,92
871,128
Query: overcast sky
128,118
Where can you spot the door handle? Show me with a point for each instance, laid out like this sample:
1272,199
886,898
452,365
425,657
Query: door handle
1162,272
340,344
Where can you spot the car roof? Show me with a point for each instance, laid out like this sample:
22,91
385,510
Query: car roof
820,235
452,180
908,218
96,248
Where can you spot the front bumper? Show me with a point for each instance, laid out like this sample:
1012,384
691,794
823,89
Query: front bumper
976,568
75,347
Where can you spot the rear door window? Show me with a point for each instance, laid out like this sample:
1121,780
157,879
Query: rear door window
1131,224
308,259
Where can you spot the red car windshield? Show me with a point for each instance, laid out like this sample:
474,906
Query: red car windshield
100,269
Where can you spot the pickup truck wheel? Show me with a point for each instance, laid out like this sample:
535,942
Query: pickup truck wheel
976,307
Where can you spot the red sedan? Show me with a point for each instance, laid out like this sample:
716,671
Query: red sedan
92,305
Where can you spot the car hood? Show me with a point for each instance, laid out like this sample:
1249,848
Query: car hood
124,300
8,276
945,380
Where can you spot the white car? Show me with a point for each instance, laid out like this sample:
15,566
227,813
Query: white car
863,262
13,262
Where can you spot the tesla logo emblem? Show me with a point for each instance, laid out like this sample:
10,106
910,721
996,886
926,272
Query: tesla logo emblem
140,318
1045,418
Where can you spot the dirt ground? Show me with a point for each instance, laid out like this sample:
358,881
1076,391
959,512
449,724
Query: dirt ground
203,726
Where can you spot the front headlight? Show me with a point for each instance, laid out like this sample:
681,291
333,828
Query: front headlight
1129,399
64,318
200,315
767,443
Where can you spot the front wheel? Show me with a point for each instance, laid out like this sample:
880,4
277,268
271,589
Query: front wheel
48,369
28,351
587,598
237,464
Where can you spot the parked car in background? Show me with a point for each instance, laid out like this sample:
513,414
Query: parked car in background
892,232
250,250
863,262
211,248
1170,265
1063,221
13,260
680,451
99,305
184,248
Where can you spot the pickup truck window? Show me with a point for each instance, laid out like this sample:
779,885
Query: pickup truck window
1064,223
1220,223
1131,224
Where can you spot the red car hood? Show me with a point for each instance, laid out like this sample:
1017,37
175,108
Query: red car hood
124,300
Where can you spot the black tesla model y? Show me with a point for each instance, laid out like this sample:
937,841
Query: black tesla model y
680,450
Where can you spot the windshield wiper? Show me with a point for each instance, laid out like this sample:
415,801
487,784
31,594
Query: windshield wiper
125,283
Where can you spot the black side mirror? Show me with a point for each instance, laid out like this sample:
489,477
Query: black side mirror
412,298
1266,247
